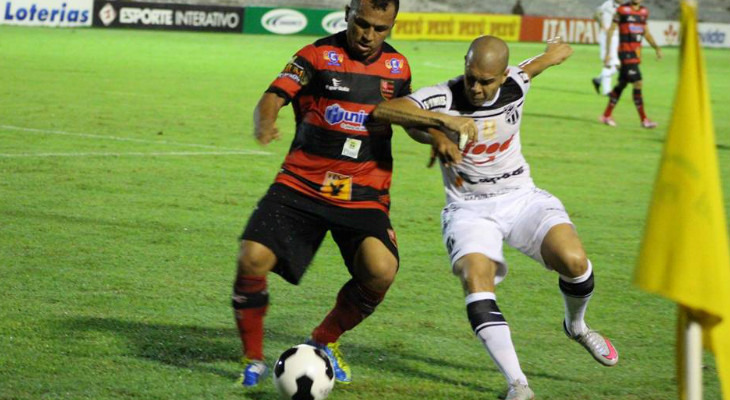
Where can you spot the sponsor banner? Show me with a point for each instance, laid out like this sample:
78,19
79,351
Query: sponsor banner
432,26
187,17
66,13
572,30
291,21
666,33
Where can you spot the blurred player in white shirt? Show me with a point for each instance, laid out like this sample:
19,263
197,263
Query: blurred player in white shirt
604,16
491,198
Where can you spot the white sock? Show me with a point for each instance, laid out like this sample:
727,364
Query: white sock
575,307
496,338
606,74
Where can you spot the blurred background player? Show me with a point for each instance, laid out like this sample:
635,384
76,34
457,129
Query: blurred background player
336,177
630,20
491,198
604,17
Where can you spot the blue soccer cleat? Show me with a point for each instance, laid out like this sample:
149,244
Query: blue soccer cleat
342,370
254,371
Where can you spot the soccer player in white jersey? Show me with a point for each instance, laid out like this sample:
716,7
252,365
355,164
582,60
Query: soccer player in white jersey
604,17
492,199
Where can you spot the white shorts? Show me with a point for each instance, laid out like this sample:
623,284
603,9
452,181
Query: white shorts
521,218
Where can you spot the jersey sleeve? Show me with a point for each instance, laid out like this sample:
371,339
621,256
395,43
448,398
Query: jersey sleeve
433,98
617,15
521,77
297,74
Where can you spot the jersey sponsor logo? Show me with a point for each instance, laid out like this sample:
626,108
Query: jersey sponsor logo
435,101
334,22
284,21
336,86
512,114
491,179
353,120
387,88
296,72
489,151
333,58
337,186
395,65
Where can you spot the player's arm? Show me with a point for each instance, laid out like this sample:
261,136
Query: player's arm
556,52
441,145
264,118
609,37
404,112
652,42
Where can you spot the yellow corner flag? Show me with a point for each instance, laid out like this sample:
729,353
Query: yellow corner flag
684,255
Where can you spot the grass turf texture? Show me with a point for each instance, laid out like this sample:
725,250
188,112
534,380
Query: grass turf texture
118,236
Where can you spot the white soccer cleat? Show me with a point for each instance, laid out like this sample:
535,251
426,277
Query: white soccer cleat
648,124
519,391
599,346
607,120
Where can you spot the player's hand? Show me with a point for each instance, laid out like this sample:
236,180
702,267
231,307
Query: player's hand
466,128
443,148
265,132
658,53
558,50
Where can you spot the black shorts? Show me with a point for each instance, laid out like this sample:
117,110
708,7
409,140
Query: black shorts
293,226
629,73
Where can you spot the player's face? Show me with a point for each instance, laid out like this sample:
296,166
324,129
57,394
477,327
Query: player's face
367,28
482,85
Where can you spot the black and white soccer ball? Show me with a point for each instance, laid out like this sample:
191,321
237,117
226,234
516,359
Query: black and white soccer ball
303,372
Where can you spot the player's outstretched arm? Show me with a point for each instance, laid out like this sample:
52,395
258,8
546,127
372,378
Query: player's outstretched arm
264,118
404,112
556,52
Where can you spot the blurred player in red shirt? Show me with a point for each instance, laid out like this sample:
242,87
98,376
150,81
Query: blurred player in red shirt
630,19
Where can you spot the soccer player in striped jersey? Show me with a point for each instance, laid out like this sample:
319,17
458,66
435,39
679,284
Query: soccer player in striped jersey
335,178
492,199
630,20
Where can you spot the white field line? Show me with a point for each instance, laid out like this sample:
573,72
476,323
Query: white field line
133,154
128,139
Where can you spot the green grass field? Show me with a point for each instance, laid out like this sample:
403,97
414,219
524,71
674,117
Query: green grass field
128,169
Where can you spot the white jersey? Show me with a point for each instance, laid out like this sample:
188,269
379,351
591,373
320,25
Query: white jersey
606,11
494,164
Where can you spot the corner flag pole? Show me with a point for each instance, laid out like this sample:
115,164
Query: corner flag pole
692,375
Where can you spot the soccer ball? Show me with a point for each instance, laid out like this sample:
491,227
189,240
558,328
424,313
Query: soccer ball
303,372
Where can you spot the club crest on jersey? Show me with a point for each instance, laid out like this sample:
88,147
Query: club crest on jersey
337,186
512,114
395,65
387,88
353,120
333,58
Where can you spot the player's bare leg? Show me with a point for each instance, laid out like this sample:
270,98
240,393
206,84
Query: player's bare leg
562,250
250,301
374,271
477,273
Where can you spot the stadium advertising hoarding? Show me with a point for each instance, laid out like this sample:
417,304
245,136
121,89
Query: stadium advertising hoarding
54,13
572,30
666,33
188,17
432,26
290,21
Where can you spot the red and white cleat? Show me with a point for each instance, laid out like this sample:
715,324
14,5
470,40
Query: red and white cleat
648,124
607,120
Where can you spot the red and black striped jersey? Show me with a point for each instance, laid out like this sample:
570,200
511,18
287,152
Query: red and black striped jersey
339,155
631,27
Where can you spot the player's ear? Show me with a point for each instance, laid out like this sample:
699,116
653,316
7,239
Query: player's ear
505,75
